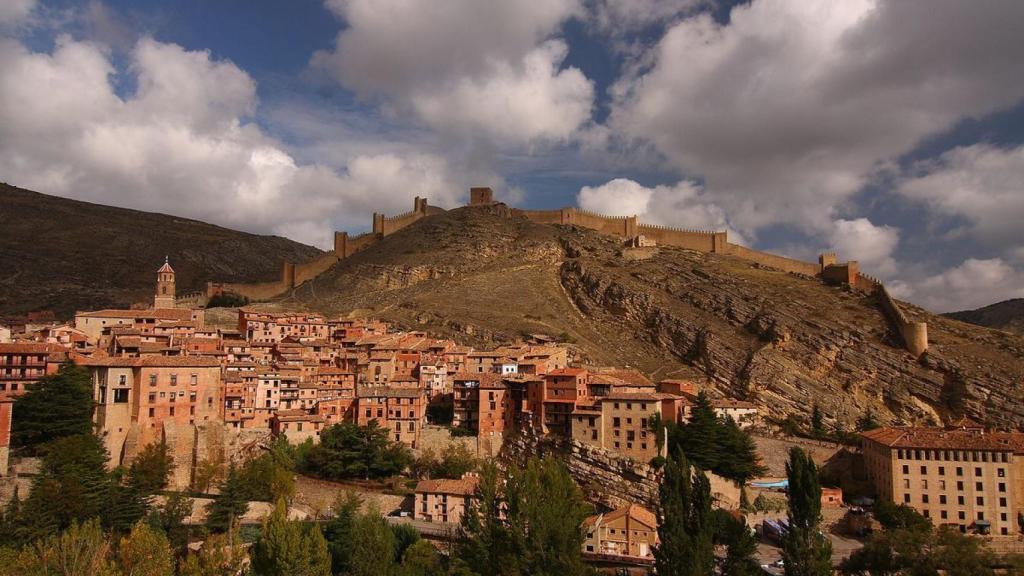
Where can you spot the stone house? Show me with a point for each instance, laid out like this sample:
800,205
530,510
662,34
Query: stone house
443,500
628,532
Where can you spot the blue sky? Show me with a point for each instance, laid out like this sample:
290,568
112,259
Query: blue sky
892,132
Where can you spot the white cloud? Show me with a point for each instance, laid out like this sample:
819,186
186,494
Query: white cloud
182,144
982,184
787,110
683,205
14,12
972,284
620,16
487,68
872,246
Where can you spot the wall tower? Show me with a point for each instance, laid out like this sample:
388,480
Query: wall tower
164,286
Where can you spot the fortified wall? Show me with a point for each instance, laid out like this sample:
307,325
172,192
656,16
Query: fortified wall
293,274
828,268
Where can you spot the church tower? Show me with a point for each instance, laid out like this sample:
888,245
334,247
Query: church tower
164,286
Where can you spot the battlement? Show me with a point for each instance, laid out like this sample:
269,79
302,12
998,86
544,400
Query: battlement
828,268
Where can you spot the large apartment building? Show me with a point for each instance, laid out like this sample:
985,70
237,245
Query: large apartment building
137,399
960,475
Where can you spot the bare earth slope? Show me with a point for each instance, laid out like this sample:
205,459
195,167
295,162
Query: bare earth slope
62,255
1006,315
485,276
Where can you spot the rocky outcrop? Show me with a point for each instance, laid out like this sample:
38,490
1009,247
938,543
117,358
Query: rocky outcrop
787,341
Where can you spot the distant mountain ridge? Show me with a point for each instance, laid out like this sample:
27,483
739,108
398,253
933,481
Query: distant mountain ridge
65,255
1006,315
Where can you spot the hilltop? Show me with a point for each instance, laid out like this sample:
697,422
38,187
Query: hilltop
1006,315
484,275
66,255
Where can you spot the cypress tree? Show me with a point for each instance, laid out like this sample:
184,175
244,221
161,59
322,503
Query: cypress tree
373,546
685,532
817,422
805,550
701,435
230,505
741,548
338,531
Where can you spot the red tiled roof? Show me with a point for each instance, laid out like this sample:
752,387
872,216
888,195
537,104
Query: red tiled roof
567,372
946,439
155,362
461,487
156,314
30,348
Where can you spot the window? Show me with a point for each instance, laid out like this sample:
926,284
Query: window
977,471
924,498
978,486
123,380
152,379
906,469
942,498
1001,472
151,412
194,380
980,500
174,379
961,515
906,498
1002,502
959,485
152,397
1002,487
942,470
924,469
943,514
959,471
960,500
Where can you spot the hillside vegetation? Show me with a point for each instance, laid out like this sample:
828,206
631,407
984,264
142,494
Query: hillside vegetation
65,255
485,276
1006,315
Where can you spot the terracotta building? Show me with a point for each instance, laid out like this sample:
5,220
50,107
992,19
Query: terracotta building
960,475
139,399
297,425
630,532
444,500
621,422
399,410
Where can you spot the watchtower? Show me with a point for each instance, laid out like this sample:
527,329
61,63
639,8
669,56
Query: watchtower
480,196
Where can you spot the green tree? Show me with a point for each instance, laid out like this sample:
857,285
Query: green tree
455,461
81,549
230,505
338,531
170,518
701,436
57,406
805,550
145,552
287,548
421,559
532,526
217,557
271,475
373,546
126,504
817,422
152,468
867,421
739,460
347,450
685,533
73,485
741,549
900,517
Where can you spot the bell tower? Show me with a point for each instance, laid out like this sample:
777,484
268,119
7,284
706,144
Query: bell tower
164,286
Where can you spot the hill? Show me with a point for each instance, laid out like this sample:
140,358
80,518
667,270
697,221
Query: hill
1006,315
65,255
484,275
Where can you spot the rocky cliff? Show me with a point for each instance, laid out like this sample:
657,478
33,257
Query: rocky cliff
485,276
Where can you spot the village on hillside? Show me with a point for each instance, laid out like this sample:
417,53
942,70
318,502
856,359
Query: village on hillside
219,397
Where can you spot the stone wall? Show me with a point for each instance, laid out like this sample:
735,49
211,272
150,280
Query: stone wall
914,334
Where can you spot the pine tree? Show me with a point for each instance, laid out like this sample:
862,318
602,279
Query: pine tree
286,548
685,531
741,550
230,505
152,468
739,461
145,552
421,559
484,544
805,550
817,422
701,435
73,484
373,546
171,518
338,531
81,549
57,406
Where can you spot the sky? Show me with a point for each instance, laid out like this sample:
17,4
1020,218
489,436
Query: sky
889,131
